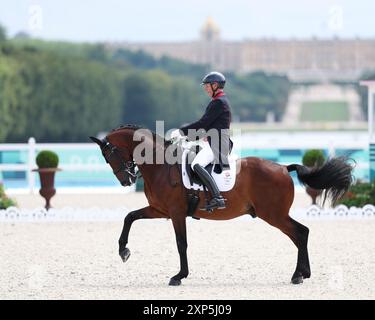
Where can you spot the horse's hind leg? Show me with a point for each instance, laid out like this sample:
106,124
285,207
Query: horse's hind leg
144,213
303,264
299,234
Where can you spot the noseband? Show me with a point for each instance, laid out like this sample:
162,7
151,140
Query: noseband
128,167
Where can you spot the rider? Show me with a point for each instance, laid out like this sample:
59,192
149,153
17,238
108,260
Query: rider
217,116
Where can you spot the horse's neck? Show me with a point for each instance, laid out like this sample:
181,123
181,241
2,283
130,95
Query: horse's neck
148,170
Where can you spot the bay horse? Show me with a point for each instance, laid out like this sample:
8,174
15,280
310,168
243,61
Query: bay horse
263,188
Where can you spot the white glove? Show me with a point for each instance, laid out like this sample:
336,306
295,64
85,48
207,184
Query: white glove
176,135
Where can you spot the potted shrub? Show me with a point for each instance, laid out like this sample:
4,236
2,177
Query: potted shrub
5,202
313,158
47,162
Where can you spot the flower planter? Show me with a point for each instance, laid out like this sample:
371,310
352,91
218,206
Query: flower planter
313,158
47,184
313,193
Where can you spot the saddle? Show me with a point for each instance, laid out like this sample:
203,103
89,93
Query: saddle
225,179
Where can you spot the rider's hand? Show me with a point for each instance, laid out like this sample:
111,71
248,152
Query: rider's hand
176,135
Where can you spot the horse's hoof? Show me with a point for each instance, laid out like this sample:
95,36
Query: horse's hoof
125,254
297,279
174,282
306,275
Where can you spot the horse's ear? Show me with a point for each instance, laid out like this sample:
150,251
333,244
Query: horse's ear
98,141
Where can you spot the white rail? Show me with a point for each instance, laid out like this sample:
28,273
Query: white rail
13,214
32,147
277,140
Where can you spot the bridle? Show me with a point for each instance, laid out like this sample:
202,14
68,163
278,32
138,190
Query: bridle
127,167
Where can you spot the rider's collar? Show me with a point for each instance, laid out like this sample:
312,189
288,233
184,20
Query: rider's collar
219,94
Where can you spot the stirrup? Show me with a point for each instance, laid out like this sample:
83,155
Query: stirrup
215,203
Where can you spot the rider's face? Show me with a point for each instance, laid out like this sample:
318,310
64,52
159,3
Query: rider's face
208,89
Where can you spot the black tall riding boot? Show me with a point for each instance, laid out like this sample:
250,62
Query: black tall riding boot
217,200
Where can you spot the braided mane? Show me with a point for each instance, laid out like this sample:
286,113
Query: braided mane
137,127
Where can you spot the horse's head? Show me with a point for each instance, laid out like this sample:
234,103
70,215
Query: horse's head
119,158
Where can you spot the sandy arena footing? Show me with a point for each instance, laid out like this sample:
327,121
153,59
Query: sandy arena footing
235,259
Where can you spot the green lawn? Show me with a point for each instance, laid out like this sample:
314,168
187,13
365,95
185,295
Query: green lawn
325,111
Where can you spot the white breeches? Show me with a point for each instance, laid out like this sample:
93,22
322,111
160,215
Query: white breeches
204,157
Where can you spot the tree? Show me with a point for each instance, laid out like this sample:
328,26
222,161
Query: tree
3,35
154,95
147,98
13,95
253,95
58,91
55,98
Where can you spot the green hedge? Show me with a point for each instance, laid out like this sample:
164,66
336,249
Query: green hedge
359,194
5,202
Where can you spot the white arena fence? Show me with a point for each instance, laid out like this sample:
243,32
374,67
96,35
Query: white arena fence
13,214
314,212
85,159
93,163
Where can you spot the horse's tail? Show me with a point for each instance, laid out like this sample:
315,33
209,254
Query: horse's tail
334,176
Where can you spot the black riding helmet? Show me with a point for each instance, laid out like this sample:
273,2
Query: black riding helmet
214,77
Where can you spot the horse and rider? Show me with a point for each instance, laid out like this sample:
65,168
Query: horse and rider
262,188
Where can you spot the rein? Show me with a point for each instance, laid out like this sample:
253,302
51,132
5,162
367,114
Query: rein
127,167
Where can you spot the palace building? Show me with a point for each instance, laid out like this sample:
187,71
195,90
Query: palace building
302,60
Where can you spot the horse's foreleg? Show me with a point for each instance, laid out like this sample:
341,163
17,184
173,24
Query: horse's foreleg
144,213
179,224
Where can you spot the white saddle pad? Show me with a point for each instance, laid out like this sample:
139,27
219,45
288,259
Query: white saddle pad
224,180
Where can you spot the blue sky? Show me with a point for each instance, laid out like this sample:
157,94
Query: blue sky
173,20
